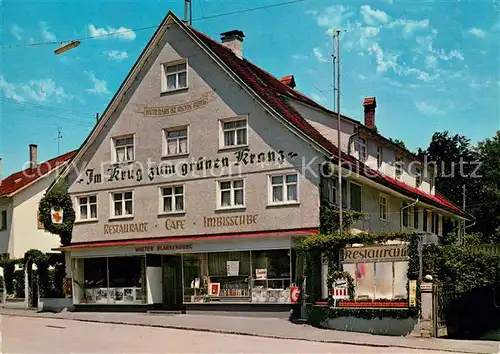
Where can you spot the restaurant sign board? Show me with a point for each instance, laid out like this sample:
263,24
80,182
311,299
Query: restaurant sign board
370,254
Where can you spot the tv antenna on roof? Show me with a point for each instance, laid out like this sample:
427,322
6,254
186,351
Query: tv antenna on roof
59,137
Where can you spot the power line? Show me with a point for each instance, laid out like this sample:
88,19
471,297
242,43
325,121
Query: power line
151,27
41,115
42,106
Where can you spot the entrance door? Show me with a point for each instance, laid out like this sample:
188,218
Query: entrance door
172,282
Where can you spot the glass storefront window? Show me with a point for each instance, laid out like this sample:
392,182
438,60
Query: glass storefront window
256,276
195,277
126,280
112,280
271,276
381,280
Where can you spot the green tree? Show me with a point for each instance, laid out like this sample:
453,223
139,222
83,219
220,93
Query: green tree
454,159
486,207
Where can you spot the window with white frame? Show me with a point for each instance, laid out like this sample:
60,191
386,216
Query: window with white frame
87,207
3,220
231,193
174,76
234,132
418,176
329,189
283,189
172,198
398,166
122,204
380,155
362,148
123,148
176,141
383,207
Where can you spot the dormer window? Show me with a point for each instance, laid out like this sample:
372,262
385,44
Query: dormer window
174,76
380,156
398,166
418,176
362,149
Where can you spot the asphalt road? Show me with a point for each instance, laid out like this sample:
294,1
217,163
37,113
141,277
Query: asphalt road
40,335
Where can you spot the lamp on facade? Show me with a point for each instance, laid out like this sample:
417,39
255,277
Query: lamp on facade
66,47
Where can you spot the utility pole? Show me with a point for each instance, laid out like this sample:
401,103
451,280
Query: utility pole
339,146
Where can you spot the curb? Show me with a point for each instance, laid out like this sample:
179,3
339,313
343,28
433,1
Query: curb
221,331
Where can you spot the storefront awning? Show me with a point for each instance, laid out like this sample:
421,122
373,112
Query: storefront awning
152,241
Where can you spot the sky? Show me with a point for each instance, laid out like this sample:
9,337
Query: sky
432,65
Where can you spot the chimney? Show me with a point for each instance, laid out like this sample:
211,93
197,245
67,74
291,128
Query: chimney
370,104
289,81
0,171
234,41
33,153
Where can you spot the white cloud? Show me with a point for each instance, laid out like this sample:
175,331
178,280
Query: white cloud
116,55
362,77
333,17
385,61
312,12
43,89
102,33
300,57
373,17
431,61
389,1
370,31
100,86
46,34
429,109
409,26
319,55
9,90
17,32
38,90
479,84
452,54
477,32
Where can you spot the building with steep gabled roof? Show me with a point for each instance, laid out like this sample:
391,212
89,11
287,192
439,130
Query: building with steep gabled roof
203,171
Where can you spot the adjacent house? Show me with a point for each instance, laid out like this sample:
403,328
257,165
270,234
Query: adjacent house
20,193
204,169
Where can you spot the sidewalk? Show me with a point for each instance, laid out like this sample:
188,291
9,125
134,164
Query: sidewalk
264,327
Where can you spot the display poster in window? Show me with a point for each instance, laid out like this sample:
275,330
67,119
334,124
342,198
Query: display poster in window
214,289
233,268
261,274
128,294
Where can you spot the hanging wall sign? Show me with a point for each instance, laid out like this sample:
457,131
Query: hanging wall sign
164,111
56,216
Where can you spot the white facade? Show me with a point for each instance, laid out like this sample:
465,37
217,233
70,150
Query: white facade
23,231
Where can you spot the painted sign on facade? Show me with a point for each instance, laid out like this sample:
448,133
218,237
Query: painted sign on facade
181,108
195,166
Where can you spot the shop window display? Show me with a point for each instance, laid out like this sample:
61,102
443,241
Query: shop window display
271,278
247,276
113,280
